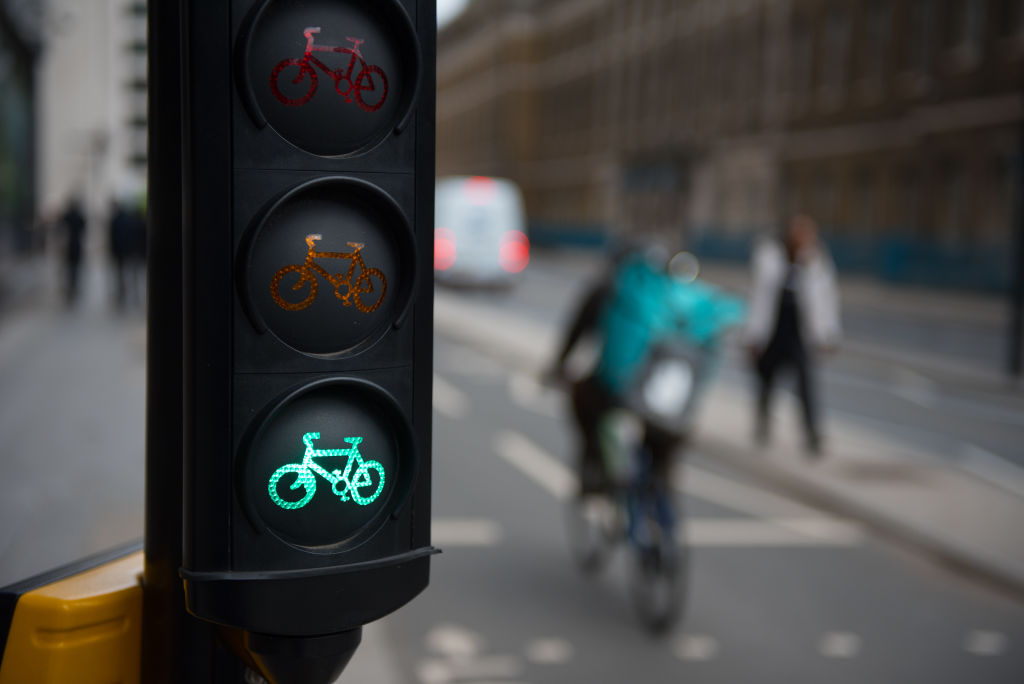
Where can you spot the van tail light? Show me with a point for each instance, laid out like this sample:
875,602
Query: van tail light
444,249
514,253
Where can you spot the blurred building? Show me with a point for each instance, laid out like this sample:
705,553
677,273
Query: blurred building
73,111
896,123
92,102
18,52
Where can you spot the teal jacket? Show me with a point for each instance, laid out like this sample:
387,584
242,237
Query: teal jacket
649,306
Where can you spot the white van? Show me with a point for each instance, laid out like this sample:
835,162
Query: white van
479,231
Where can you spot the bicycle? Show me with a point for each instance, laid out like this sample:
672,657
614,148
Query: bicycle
346,484
638,512
309,270
369,79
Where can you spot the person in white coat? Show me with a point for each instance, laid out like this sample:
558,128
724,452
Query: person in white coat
793,316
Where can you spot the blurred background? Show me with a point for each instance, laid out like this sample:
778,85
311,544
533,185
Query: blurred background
565,127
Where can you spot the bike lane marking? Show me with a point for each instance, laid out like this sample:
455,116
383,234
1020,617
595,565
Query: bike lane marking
449,400
529,394
467,532
761,531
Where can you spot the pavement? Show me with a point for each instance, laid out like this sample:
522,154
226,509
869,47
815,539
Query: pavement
900,491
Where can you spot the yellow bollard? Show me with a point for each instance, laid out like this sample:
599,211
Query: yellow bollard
86,628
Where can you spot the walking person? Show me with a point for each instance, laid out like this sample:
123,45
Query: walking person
120,252
73,223
793,317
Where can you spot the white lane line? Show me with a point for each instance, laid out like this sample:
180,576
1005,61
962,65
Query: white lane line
839,645
449,532
992,468
555,477
695,647
982,642
529,394
454,641
449,400
549,651
745,532
915,388
538,465
717,489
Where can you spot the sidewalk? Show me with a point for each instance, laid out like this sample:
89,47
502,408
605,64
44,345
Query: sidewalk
891,487
950,334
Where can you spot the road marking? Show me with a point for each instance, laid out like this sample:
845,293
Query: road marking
695,647
715,488
449,400
550,651
454,641
529,394
839,645
555,477
992,468
448,532
981,642
774,532
915,388
538,465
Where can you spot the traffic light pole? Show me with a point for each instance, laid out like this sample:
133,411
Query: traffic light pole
176,647
165,623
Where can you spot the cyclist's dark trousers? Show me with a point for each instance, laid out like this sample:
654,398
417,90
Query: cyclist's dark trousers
590,401
662,446
779,357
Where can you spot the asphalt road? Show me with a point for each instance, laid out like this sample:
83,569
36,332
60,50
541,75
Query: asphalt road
768,601
767,604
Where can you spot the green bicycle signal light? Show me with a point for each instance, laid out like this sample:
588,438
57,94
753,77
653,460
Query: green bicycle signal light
355,485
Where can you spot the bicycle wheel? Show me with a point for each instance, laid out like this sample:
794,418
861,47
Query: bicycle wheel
371,80
659,574
365,285
305,277
592,523
362,479
293,83
304,480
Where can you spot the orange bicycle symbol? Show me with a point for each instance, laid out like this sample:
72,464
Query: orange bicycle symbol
369,85
369,280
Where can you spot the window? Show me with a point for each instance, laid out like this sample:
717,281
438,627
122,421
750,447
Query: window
836,48
877,27
922,29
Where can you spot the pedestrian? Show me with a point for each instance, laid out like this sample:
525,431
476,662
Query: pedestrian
120,251
73,224
793,317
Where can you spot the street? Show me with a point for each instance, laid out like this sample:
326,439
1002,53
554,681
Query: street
779,591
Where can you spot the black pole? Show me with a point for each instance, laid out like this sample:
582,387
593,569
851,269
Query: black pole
1016,337
175,647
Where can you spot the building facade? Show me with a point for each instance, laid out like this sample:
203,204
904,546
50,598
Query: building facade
18,52
896,123
92,103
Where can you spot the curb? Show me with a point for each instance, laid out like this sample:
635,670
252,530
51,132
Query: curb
784,480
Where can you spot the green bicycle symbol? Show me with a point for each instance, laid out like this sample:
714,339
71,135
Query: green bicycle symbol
349,483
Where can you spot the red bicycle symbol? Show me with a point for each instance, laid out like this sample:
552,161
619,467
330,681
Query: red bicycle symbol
369,87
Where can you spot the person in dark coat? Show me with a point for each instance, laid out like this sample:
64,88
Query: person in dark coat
73,223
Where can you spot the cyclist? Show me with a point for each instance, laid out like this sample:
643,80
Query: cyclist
649,309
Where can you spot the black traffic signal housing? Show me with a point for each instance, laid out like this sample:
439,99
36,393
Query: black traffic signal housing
308,164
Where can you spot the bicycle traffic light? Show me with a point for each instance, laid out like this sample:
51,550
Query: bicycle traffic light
308,180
